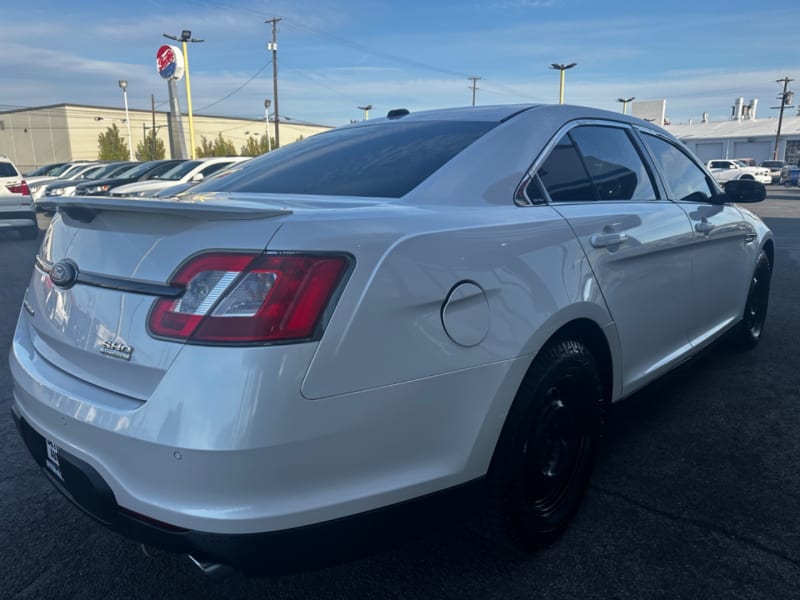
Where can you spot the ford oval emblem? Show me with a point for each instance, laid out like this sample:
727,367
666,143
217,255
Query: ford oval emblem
64,274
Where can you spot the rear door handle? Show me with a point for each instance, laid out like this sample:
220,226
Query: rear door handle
604,240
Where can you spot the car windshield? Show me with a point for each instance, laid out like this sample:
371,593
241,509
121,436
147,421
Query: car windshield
106,171
386,160
178,171
741,163
136,170
45,170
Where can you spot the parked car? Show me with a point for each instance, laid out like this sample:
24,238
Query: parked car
727,170
76,173
67,187
183,188
46,170
775,167
138,172
402,315
65,170
16,204
789,175
190,171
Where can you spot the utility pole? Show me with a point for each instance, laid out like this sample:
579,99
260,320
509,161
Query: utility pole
786,100
153,112
473,87
273,47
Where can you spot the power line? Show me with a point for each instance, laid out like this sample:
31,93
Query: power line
256,74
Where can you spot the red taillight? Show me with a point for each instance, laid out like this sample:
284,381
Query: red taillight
19,188
245,298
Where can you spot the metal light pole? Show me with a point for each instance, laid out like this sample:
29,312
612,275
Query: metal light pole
124,85
267,102
366,110
186,36
625,103
562,68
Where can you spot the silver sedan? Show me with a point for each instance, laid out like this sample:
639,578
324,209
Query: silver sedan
378,322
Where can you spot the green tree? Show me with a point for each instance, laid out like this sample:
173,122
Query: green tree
111,146
151,147
255,147
219,147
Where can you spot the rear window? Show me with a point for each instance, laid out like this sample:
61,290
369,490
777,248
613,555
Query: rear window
385,160
8,170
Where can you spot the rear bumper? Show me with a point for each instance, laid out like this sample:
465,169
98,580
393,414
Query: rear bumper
274,552
17,218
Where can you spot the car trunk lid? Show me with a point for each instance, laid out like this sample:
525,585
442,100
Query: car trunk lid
124,253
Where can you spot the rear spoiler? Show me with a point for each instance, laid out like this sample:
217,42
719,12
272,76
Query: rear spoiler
204,208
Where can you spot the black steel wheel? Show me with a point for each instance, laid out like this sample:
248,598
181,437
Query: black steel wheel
547,448
748,333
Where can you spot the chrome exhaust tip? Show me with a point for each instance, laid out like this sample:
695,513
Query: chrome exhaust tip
211,569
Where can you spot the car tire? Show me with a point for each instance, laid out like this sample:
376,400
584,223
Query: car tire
749,330
547,448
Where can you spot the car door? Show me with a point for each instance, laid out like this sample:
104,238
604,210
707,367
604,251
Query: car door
721,238
638,245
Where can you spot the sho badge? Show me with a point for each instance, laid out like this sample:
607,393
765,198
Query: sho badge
116,349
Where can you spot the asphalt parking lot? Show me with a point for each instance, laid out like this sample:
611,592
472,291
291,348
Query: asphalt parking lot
696,494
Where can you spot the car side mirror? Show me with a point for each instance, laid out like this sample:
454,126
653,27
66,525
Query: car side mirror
744,190
197,177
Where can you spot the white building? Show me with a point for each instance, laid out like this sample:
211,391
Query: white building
743,136
36,136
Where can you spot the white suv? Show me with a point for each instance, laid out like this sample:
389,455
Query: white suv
16,204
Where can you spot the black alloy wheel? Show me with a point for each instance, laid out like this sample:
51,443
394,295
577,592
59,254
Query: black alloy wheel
749,331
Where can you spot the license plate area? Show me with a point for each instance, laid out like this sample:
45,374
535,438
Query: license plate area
51,461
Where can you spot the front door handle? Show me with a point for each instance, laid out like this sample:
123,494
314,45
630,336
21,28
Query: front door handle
704,227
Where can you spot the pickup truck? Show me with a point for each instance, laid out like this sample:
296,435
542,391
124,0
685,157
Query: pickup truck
728,169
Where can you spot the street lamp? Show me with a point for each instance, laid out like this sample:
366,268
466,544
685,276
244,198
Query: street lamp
562,68
366,110
625,103
124,85
267,103
186,36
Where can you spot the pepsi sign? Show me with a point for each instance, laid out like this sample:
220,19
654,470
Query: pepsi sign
169,62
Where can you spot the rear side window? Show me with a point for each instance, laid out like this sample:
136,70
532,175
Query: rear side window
683,178
8,170
384,160
594,163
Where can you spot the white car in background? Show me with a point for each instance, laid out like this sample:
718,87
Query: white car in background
66,187
16,204
729,169
76,173
190,171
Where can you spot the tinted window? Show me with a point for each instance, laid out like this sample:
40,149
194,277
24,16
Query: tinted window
383,160
8,170
563,175
615,167
175,172
683,178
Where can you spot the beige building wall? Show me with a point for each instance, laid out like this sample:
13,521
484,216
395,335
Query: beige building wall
47,134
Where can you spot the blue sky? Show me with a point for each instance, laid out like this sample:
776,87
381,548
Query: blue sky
334,56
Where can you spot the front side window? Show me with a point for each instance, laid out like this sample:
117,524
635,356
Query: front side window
683,178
